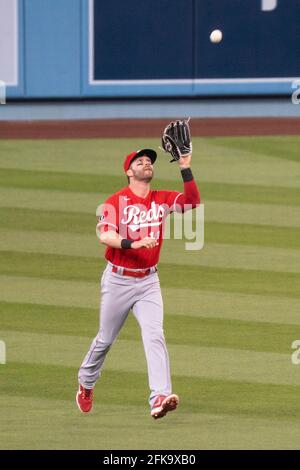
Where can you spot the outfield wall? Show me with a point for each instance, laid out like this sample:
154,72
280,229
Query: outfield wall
93,48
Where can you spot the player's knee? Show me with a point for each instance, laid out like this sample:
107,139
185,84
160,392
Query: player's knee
103,344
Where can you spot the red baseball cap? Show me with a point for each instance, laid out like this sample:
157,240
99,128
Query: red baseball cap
139,153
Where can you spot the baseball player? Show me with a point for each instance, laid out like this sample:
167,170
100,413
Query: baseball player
131,224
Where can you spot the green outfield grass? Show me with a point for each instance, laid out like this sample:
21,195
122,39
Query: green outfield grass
232,309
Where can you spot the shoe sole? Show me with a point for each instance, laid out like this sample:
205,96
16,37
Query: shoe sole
169,404
79,405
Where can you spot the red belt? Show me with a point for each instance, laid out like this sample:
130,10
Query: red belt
126,272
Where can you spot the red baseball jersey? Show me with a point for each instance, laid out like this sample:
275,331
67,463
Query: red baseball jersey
135,218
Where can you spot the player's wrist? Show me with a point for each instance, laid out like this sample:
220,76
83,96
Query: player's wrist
183,166
186,174
126,244
185,162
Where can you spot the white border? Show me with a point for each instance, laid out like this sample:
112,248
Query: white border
15,81
91,41
179,81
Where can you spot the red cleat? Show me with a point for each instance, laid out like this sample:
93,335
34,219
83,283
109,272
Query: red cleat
163,404
84,399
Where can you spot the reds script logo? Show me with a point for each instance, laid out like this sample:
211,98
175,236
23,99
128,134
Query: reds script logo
137,218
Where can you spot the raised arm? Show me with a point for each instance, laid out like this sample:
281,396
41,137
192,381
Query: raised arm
191,193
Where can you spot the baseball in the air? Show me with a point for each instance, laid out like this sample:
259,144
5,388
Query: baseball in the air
216,36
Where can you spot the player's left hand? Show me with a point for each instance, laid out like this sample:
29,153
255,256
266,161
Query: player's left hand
176,140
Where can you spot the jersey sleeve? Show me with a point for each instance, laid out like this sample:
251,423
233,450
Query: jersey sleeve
107,215
180,202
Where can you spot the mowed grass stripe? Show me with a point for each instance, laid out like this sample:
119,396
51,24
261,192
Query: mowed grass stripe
213,304
91,183
218,211
128,355
53,424
283,147
265,258
212,396
88,269
96,156
252,214
219,255
250,234
40,221
185,329
51,291
229,165
51,180
215,211
257,194
45,199
48,221
209,157
56,243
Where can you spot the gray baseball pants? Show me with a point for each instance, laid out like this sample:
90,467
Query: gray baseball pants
120,294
